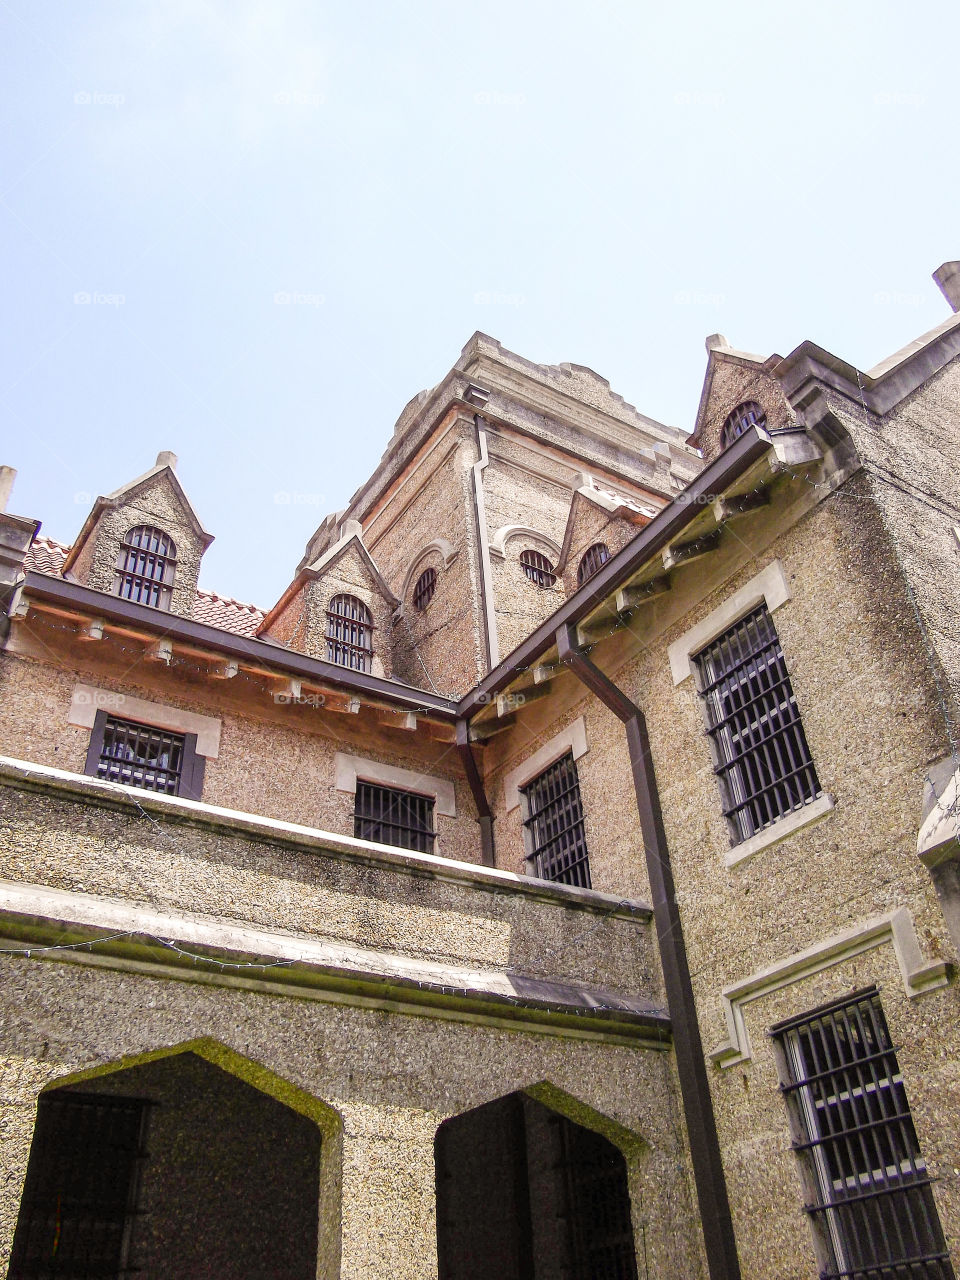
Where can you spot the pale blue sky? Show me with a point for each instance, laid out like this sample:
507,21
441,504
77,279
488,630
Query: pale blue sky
603,183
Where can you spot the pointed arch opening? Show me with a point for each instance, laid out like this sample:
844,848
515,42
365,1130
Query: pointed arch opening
349,633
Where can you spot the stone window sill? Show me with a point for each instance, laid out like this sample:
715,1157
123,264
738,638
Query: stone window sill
810,813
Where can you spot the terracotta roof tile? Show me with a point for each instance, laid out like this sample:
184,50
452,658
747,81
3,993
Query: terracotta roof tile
47,556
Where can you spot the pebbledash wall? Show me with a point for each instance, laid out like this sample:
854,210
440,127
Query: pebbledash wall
388,991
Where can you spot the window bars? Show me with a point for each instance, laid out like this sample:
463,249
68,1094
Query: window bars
873,1210
80,1196
146,567
554,821
538,568
349,633
140,756
763,761
400,818
746,415
591,560
424,589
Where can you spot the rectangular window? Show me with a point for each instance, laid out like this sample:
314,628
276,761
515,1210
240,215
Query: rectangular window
554,823
139,755
79,1200
763,761
401,818
872,1207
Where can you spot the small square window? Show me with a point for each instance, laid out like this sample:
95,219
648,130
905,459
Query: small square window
554,824
400,818
141,755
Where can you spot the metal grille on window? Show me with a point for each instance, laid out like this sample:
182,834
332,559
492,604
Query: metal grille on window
140,756
873,1209
146,567
555,823
746,415
764,763
401,818
426,586
591,561
349,633
80,1196
538,568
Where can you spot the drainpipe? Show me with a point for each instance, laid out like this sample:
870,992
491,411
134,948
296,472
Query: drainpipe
718,1236
484,813
477,396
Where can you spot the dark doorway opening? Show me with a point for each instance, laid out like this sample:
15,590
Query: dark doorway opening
523,1193
174,1168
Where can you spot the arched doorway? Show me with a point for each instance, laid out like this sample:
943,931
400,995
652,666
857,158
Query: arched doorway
525,1193
171,1168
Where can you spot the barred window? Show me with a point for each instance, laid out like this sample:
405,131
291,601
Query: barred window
402,818
873,1210
349,633
146,567
538,568
426,586
763,761
746,415
591,560
554,823
139,755
80,1195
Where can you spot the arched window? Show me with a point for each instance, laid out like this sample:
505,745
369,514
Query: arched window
538,568
146,566
591,561
423,591
349,633
746,415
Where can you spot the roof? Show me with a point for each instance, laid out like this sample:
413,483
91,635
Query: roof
48,556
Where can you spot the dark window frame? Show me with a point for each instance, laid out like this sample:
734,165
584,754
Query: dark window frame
869,1196
410,821
538,568
424,588
554,824
592,560
762,760
350,636
144,573
192,764
746,415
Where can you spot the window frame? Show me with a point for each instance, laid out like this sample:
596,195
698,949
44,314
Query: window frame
425,588
190,785
542,575
363,625
532,815
838,1149
162,585
747,414
584,570
397,793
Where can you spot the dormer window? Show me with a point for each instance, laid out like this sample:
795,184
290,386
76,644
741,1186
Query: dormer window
538,568
746,415
349,633
146,567
591,561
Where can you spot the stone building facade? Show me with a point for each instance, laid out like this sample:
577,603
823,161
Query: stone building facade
560,881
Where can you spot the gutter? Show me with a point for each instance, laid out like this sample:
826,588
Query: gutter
662,530
717,1223
71,596
491,643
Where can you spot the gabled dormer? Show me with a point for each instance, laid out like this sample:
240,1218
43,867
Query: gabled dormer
143,542
739,391
339,608
600,522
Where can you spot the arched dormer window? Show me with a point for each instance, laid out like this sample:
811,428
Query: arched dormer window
591,560
537,568
349,633
746,415
146,567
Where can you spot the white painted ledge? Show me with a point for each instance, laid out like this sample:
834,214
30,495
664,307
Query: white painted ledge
87,700
769,587
572,739
919,974
349,769
780,830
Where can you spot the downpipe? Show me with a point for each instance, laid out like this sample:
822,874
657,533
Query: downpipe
717,1224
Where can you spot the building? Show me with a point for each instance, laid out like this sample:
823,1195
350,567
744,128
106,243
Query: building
559,880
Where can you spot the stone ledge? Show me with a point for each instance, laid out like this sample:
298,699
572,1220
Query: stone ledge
114,933
112,795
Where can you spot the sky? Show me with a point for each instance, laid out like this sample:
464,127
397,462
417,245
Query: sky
249,231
